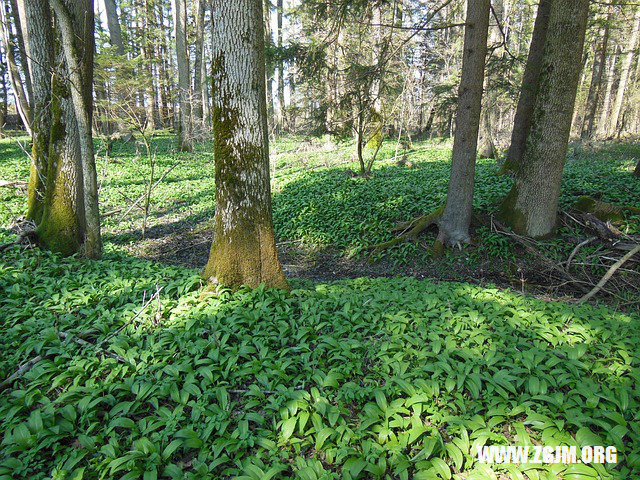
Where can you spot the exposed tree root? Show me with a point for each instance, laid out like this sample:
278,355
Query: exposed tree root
410,230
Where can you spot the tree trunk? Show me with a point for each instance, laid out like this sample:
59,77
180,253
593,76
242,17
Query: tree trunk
281,111
113,23
184,79
22,101
531,206
197,64
243,250
624,75
456,218
76,25
593,96
40,47
270,67
18,14
147,49
606,103
529,89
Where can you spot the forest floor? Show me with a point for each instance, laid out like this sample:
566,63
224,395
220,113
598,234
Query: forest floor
131,369
326,217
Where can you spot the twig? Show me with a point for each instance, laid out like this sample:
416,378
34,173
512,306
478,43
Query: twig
144,307
145,193
609,274
24,368
84,343
578,247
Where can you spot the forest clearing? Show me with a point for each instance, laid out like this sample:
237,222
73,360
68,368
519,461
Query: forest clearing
312,239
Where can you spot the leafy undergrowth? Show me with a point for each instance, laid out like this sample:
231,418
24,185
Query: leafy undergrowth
366,378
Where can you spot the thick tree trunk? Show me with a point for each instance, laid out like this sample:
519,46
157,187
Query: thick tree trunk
614,124
593,96
185,139
76,25
531,206
529,89
113,23
244,249
456,218
40,47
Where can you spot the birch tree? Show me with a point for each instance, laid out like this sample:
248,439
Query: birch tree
243,250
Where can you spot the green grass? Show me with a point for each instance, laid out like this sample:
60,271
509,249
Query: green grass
366,378
352,379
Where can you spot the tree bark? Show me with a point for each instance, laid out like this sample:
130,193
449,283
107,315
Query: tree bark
22,101
185,140
113,23
614,124
270,67
197,64
147,49
456,218
243,250
281,106
593,96
606,103
39,37
529,88
76,25
18,14
531,206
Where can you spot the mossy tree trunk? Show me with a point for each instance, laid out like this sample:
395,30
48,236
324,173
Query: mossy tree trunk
529,88
69,219
531,206
76,25
243,250
456,219
40,50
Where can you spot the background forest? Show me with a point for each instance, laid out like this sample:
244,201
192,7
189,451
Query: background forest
318,239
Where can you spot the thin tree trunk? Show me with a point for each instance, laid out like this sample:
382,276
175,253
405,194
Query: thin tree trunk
456,218
184,94
197,64
593,96
22,101
624,75
113,23
270,67
281,106
147,49
531,206
529,89
243,250
606,103
18,14
76,22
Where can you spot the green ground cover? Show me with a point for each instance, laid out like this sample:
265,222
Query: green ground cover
365,378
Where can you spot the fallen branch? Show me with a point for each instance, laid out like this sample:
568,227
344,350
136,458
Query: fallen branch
584,243
84,343
19,240
499,228
411,229
13,183
609,274
24,368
